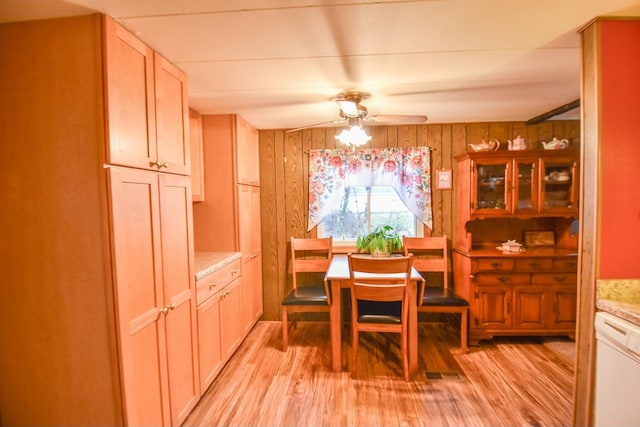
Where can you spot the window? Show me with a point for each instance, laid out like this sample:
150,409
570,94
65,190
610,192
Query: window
362,209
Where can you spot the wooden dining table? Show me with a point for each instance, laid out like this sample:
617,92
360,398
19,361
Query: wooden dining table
338,277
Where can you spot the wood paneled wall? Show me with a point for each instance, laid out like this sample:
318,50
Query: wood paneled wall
284,179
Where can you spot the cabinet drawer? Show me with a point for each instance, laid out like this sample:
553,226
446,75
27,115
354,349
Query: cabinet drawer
503,279
214,282
494,264
534,264
565,264
555,279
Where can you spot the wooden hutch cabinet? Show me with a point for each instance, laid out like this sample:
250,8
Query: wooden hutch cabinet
502,195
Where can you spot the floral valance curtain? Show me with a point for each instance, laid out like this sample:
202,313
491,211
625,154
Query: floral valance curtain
407,170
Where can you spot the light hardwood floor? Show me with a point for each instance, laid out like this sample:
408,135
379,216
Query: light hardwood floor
505,382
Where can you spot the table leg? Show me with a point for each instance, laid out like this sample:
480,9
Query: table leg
335,325
413,328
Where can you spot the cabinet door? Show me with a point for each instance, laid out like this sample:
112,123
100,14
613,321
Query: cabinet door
179,294
135,218
231,327
563,307
197,159
493,307
490,184
559,191
250,247
525,185
130,99
530,307
247,160
172,118
210,353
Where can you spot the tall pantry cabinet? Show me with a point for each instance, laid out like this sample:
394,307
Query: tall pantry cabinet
98,323
229,217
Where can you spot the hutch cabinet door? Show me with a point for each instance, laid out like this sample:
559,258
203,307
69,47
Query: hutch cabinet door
490,183
559,190
493,307
525,185
529,307
564,307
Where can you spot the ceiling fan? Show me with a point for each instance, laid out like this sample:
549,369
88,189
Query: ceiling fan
353,112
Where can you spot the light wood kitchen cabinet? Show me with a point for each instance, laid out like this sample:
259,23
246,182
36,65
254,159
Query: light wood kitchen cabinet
110,293
248,163
228,220
155,294
250,247
217,302
197,164
147,106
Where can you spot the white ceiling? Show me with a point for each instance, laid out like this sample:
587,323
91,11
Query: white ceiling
280,63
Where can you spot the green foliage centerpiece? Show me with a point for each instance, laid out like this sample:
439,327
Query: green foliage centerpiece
380,242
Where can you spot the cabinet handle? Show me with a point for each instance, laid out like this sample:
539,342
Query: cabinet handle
560,279
164,310
571,264
496,265
234,272
504,279
534,265
159,165
472,277
212,285
171,307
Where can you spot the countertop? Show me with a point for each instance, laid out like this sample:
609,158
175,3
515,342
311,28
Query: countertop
208,262
620,297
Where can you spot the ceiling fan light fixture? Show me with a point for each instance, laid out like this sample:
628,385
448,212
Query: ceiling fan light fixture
354,136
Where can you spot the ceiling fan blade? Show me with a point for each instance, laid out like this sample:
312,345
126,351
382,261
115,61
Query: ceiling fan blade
320,125
396,119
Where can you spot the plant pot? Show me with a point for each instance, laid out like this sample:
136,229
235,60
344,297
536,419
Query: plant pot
378,253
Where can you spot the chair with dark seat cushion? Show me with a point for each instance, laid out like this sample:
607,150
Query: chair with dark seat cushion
367,287
307,256
431,255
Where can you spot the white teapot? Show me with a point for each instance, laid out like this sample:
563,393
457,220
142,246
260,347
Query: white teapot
518,143
492,145
555,144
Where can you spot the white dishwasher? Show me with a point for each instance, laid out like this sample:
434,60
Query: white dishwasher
617,380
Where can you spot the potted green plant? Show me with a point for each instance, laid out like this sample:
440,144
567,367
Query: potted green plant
380,242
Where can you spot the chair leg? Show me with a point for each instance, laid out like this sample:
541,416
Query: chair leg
463,330
285,329
355,338
405,353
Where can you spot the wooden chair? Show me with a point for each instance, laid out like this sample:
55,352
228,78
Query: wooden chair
365,288
431,254
307,256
